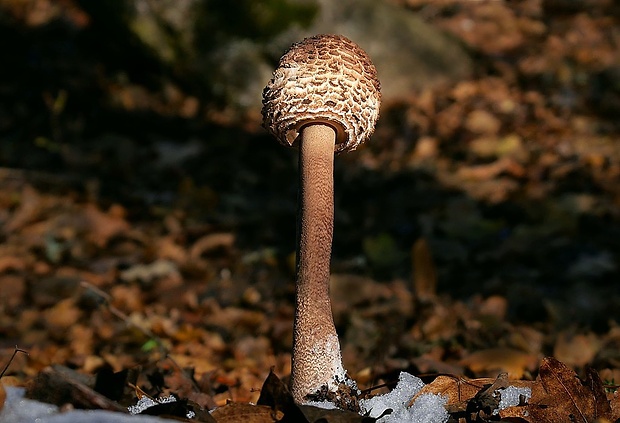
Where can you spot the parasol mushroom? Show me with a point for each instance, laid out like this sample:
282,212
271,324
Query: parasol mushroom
324,97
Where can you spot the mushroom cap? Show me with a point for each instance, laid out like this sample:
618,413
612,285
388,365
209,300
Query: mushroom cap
323,79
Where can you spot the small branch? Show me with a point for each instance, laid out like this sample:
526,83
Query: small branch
17,350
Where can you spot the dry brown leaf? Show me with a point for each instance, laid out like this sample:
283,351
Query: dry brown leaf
484,172
565,389
576,349
495,306
433,362
30,209
168,249
200,365
12,263
81,337
482,122
62,316
13,290
595,385
104,226
348,291
566,397
460,390
60,385
233,318
492,361
211,242
424,271
127,298
2,396
248,413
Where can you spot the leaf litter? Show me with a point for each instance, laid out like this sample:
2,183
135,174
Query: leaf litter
113,305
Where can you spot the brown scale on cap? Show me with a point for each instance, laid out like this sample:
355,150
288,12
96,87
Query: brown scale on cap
323,79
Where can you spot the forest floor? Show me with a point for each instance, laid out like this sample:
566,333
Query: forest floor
478,233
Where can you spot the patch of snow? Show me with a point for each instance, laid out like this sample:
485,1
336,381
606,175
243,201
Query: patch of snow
511,396
18,409
146,402
428,408
326,405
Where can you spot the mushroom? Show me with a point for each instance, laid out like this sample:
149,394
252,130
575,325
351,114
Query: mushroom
324,97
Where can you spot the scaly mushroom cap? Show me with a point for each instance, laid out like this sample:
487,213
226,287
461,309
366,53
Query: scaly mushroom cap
323,79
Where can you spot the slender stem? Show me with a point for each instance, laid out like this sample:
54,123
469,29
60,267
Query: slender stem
316,350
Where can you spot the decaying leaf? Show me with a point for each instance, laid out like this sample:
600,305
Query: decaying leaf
424,271
275,393
458,391
210,243
180,409
463,393
102,226
60,385
321,415
595,385
566,398
495,360
576,349
248,413
487,399
2,396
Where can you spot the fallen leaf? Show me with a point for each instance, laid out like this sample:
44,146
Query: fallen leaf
595,385
210,243
248,413
276,395
30,208
482,122
60,385
565,388
62,315
2,396
566,398
12,263
492,361
576,350
13,290
424,271
460,391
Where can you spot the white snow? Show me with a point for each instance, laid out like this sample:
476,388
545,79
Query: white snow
511,397
428,408
18,409
146,402
326,405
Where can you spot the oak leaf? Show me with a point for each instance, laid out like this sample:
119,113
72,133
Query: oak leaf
566,398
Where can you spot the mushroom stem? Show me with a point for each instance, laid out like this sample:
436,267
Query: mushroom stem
316,350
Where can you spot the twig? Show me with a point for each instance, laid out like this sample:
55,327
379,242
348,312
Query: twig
17,350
